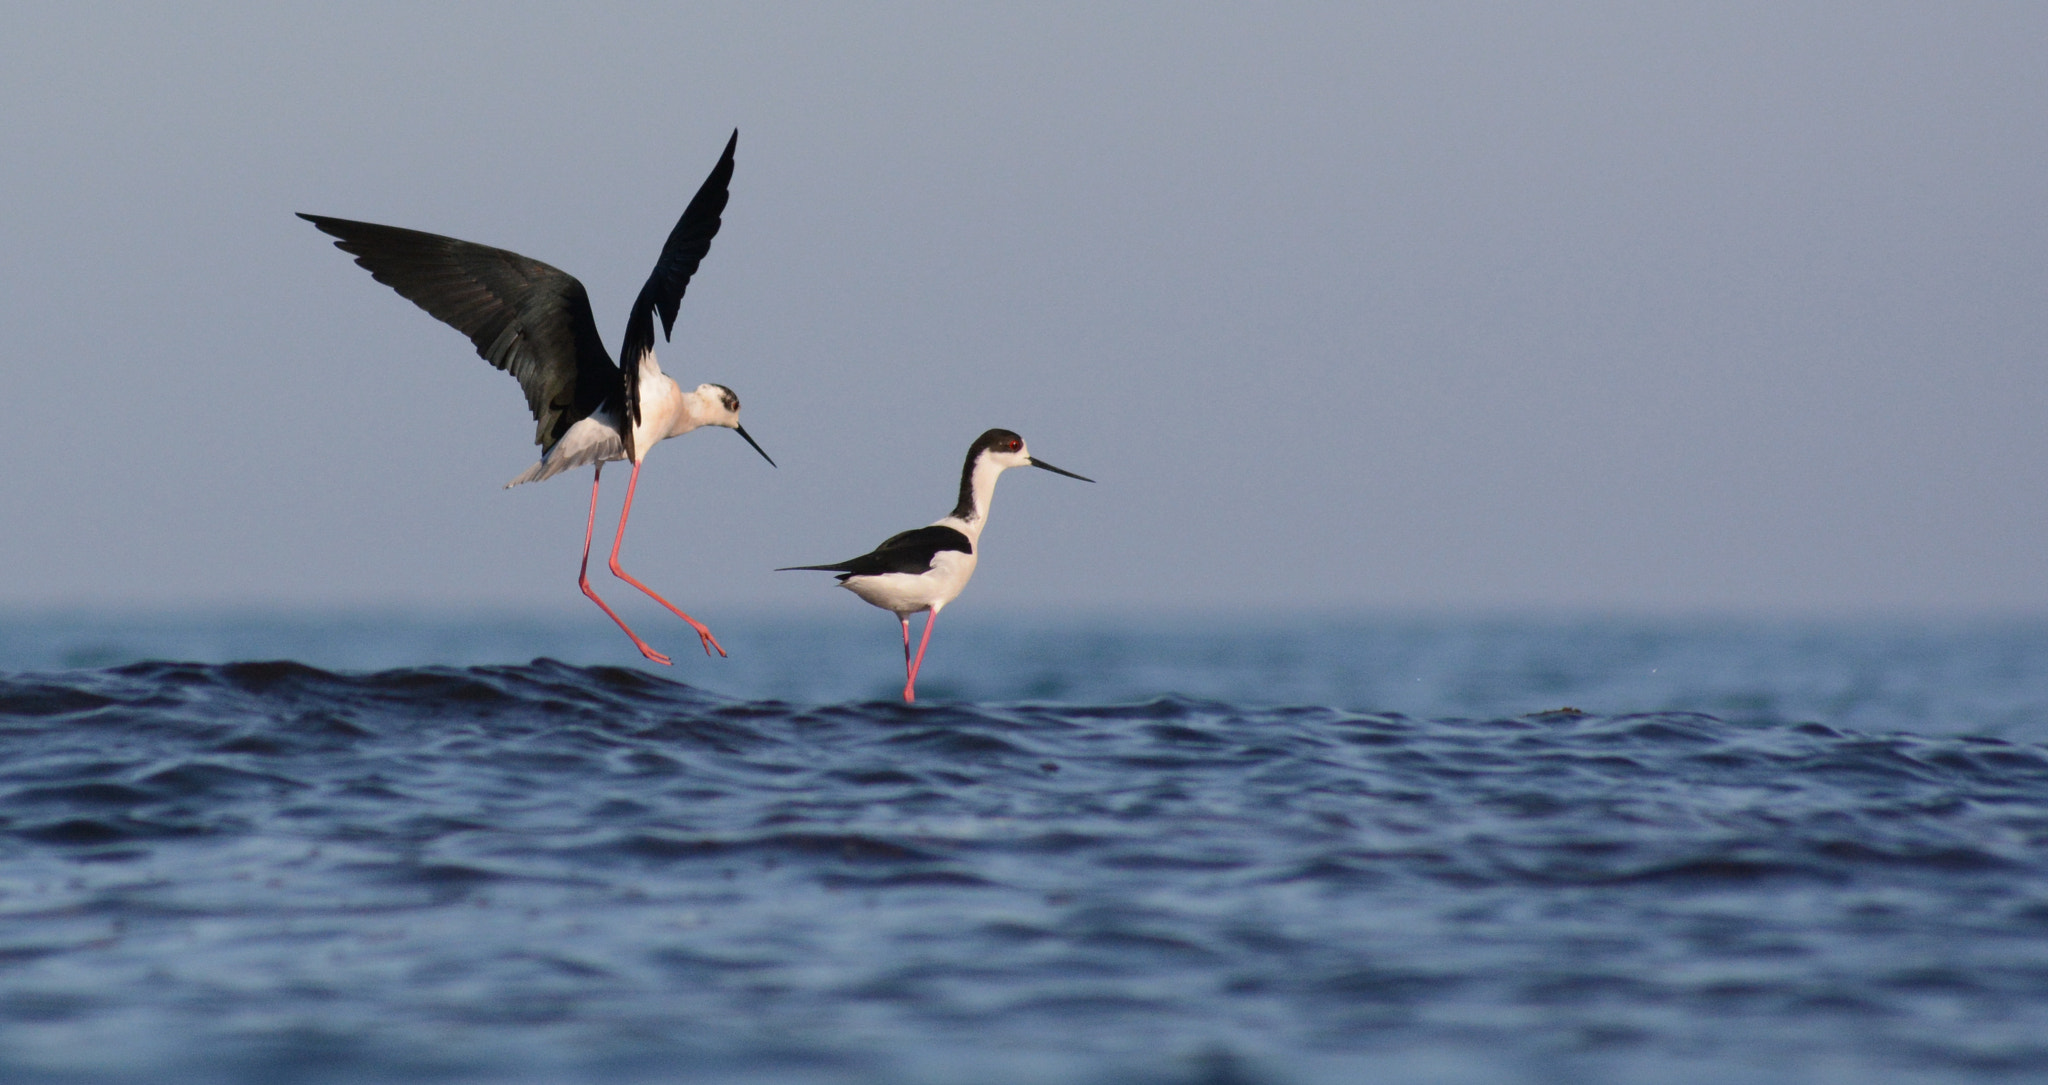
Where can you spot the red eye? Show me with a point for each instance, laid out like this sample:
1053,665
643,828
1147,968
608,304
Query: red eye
1015,444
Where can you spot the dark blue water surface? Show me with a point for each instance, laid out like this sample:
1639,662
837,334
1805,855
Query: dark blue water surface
1182,851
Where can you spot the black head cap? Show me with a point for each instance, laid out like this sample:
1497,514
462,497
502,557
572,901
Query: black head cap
996,440
999,440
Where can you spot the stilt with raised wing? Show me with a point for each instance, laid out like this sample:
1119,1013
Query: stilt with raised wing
534,322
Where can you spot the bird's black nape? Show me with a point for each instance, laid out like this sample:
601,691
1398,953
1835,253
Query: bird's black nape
1002,440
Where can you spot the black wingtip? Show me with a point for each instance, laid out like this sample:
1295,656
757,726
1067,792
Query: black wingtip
329,225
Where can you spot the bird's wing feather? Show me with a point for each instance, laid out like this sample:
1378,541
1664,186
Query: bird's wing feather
525,317
685,249
908,552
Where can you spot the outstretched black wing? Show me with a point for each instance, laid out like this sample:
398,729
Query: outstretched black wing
910,552
686,246
525,317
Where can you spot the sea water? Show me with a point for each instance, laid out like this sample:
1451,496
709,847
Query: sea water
1176,849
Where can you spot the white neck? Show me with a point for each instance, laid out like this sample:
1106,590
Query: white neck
693,411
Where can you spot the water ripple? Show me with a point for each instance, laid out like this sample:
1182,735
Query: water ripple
520,871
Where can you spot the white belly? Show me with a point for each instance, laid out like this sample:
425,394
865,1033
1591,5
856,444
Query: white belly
907,593
596,439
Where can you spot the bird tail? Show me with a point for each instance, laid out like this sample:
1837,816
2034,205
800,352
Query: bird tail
532,474
587,442
554,463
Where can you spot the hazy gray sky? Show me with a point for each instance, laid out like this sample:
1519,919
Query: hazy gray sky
1729,306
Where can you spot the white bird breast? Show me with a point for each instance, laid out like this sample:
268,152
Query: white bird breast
907,593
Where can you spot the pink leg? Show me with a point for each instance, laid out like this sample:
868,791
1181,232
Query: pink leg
703,634
910,686
583,575
905,619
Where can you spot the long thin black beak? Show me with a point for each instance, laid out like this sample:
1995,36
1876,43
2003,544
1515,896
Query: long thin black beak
742,431
1057,471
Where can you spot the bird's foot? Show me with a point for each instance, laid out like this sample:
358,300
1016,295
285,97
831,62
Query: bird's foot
709,641
703,634
623,627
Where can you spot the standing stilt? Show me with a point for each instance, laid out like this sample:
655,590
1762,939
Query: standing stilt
910,685
925,568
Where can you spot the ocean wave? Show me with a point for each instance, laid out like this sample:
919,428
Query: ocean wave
684,876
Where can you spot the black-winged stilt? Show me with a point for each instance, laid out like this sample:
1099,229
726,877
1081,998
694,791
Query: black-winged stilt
534,322
926,568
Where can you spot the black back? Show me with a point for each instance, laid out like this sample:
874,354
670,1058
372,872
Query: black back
525,317
907,552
